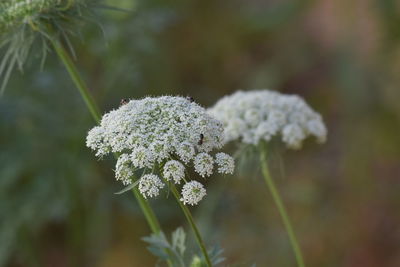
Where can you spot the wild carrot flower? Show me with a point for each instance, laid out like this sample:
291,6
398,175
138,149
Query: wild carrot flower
123,169
225,163
174,170
192,193
150,185
204,164
164,134
262,114
254,118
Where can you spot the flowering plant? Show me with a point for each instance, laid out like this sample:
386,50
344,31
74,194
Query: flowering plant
255,118
166,134
163,136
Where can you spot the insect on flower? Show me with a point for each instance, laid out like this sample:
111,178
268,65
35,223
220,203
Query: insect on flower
123,101
190,99
201,140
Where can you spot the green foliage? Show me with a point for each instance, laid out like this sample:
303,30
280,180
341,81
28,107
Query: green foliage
174,250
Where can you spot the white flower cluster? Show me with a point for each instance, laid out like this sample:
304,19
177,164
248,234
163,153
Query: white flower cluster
192,193
168,132
174,170
225,162
150,185
258,115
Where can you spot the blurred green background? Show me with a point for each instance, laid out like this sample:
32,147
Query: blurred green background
57,201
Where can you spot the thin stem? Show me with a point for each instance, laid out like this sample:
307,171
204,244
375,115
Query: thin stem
76,78
190,219
282,210
148,212
95,112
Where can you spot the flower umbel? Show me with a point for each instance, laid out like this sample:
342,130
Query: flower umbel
168,132
226,164
174,170
123,170
192,193
150,185
259,115
204,164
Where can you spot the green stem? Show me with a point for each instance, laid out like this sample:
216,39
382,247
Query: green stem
95,112
76,78
147,211
282,211
190,219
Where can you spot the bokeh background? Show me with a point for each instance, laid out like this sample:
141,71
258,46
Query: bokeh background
57,201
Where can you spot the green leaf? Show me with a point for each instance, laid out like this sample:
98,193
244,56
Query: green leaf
158,240
178,240
158,252
129,187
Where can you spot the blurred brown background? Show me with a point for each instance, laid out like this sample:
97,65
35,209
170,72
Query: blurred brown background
57,202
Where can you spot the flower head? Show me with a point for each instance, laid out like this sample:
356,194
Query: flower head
259,115
150,185
174,170
186,152
156,129
95,141
192,193
204,164
164,131
123,169
226,164
142,157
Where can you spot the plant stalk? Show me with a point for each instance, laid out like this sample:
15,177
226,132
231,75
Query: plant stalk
95,112
281,208
76,78
192,224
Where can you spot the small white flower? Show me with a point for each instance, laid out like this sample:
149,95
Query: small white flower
141,157
252,117
185,152
203,164
293,135
234,129
192,193
150,185
265,131
95,141
174,170
259,115
226,164
123,169
160,150
318,129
